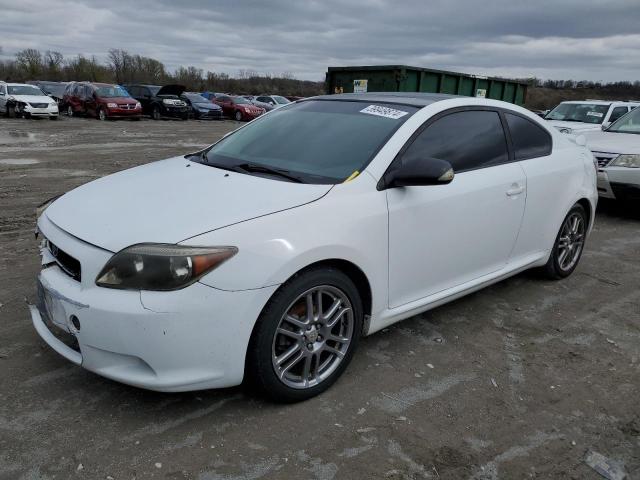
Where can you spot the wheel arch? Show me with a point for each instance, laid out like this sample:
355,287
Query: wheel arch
586,204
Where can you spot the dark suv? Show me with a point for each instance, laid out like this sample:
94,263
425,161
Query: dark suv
100,100
160,101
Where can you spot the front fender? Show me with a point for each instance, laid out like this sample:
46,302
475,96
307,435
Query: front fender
350,223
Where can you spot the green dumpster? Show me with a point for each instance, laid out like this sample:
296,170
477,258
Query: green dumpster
401,78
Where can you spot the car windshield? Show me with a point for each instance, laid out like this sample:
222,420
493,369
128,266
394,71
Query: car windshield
24,90
240,100
154,90
195,98
111,92
316,141
629,123
579,112
280,100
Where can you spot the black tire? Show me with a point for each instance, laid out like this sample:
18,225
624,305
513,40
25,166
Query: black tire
238,115
259,369
101,114
69,111
155,113
11,111
553,269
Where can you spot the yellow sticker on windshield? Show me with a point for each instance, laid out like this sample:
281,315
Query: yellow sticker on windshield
352,176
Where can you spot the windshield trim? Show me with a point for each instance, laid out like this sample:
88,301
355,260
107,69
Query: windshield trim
201,155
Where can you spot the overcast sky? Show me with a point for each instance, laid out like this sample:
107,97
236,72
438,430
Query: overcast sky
559,39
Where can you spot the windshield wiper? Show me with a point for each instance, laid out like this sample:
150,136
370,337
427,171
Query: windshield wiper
253,167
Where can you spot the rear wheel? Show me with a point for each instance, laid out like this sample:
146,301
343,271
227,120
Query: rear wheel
155,113
69,111
305,336
238,115
11,111
569,244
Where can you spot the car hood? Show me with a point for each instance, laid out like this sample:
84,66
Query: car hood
575,126
171,90
207,105
32,98
608,142
169,201
118,100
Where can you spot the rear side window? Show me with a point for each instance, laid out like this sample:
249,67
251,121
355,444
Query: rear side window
467,140
617,113
529,140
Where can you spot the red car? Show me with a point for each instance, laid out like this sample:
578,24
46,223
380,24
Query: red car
238,107
100,100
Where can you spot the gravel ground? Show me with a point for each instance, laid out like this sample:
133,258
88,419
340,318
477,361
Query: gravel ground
520,380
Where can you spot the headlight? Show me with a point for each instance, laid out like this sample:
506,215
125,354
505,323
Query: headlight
112,105
138,105
161,267
630,161
166,101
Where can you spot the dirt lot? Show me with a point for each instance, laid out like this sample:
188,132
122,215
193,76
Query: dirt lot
520,380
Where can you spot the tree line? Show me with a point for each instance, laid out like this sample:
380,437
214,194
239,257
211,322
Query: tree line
123,67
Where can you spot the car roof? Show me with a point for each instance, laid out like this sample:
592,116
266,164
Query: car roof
416,99
602,102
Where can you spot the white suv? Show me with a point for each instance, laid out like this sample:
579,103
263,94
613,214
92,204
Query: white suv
617,152
582,116
21,99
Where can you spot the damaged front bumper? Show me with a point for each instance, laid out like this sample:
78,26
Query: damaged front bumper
190,339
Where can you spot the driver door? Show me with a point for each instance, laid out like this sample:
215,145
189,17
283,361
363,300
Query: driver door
443,236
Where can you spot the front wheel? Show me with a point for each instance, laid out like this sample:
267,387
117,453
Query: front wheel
155,113
11,111
569,244
305,336
69,111
102,115
238,115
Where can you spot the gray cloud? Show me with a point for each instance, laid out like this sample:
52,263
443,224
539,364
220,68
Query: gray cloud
580,39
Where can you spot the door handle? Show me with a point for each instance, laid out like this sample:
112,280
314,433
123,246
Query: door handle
515,190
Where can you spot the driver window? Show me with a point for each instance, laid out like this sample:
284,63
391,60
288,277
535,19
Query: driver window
468,140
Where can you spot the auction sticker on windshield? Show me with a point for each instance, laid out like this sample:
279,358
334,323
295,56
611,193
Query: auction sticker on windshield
594,114
384,112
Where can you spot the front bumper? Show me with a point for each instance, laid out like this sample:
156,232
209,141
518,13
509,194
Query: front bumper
124,113
190,339
173,111
621,183
40,112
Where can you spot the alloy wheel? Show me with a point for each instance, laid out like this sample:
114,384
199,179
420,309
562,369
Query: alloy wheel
69,111
312,337
571,241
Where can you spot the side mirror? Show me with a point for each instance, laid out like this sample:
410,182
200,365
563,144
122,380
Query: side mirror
417,172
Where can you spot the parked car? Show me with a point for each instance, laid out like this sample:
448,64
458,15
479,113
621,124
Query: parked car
581,116
100,100
238,108
23,100
54,90
292,237
266,106
201,108
211,96
617,152
275,100
159,102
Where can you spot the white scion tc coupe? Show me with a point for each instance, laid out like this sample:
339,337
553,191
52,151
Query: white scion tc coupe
268,254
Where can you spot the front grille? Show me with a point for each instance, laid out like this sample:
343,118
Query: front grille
604,159
127,106
39,105
67,263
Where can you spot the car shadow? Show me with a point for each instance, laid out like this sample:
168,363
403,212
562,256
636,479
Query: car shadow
617,209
